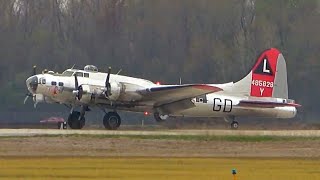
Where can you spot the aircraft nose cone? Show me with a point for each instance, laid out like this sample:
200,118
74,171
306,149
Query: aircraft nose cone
32,84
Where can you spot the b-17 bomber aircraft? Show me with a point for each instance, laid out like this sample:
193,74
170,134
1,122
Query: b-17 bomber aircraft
262,93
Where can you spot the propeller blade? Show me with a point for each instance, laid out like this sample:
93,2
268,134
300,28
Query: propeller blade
35,104
34,70
25,99
80,92
78,88
108,86
108,77
76,83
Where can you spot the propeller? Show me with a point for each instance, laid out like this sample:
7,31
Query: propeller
107,84
34,70
35,104
27,97
78,89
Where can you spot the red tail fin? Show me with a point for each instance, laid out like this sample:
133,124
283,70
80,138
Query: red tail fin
268,77
264,73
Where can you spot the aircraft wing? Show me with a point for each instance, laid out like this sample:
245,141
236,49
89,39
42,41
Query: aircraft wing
266,104
166,94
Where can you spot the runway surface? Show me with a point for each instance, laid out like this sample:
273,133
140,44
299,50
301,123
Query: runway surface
40,132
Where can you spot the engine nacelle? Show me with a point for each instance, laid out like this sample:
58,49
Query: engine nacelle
91,92
116,90
87,96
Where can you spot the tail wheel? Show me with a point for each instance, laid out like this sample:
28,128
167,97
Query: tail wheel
160,118
234,125
112,121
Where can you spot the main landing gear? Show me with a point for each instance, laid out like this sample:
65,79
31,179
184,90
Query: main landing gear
111,120
76,121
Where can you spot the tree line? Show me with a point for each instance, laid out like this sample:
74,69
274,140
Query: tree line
201,41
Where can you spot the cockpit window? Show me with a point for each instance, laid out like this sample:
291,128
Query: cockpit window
79,74
43,81
67,73
86,75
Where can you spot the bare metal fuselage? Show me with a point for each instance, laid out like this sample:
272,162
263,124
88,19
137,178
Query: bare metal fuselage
221,104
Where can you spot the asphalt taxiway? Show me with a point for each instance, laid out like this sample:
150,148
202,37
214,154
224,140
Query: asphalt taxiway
44,132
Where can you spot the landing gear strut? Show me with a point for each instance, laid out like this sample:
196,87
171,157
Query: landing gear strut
76,121
234,124
111,121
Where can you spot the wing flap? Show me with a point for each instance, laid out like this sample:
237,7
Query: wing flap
166,94
176,106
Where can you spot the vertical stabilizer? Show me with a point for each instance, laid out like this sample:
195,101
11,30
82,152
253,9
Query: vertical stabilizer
268,77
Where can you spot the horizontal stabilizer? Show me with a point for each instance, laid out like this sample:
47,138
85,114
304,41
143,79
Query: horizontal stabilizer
266,104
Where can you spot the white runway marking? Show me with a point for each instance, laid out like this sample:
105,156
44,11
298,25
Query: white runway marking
39,132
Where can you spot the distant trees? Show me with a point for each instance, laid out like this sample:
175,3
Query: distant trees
198,40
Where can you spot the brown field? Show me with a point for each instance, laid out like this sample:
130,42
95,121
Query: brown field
159,146
158,157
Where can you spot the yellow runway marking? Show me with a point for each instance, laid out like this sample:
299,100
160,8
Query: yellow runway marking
158,168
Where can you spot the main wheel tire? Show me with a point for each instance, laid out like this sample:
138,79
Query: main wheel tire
112,121
72,118
74,121
234,125
82,122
